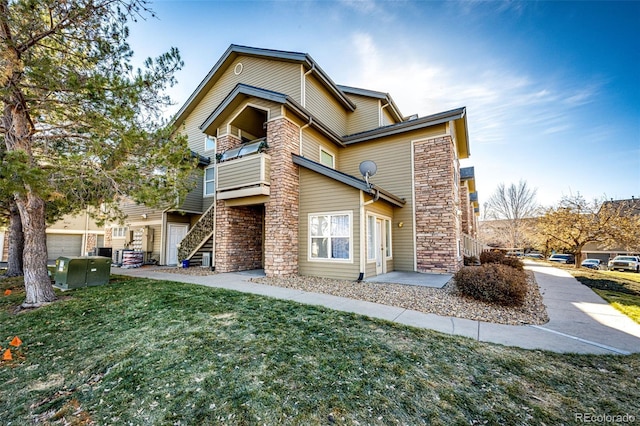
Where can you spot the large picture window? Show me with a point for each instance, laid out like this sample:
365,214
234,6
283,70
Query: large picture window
330,236
209,181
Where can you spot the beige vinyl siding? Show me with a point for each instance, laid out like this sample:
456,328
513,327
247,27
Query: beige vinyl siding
319,194
366,116
79,222
386,117
282,77
193,200
274,111
246,171
393,158
325,107
311,143
135,211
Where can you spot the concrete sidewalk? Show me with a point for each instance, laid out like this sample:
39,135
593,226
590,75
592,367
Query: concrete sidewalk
580,321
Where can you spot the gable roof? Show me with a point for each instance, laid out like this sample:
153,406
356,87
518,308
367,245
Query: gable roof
235,50
352,181
385,97
458,116
243,91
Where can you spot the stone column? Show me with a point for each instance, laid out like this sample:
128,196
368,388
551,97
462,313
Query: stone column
436,205
281,211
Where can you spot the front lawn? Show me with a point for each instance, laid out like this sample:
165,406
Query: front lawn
620,289
139,351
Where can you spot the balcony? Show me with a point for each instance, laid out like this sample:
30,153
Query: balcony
244,177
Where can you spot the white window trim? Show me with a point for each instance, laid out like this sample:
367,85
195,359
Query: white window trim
331,153
210,138
204,179
113,232
309,237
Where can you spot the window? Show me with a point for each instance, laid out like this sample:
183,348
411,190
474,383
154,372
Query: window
387,250
371,237
209,181
118,232
372,243
330,236
209,143
327,158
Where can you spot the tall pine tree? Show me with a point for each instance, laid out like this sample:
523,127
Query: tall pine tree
81,126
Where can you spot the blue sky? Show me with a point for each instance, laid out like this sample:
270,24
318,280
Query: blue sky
552,89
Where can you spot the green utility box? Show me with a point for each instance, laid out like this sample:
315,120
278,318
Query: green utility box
82,271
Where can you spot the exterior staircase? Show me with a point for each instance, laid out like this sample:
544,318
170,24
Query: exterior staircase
198,235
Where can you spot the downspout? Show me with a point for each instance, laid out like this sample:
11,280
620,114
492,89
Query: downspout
381,121
303,90
301,129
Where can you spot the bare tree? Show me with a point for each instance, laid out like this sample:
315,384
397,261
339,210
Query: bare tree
513,204
576,222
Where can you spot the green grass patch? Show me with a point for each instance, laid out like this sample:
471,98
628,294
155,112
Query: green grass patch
139,351
620,289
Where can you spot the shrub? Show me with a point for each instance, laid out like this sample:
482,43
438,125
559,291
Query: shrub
491,257
499,257
471,261
493,283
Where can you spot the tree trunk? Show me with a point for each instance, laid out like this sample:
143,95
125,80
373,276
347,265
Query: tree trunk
16,242
37,284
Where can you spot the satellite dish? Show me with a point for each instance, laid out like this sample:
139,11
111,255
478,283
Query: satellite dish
368,168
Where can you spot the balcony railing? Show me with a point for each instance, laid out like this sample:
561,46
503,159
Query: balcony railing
244,177
471,246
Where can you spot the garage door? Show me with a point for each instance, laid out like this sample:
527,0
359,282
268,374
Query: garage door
63,245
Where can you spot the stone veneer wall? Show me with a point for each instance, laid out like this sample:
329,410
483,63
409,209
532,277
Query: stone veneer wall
281,211
436,206
238,237
465,206
91,243
108,237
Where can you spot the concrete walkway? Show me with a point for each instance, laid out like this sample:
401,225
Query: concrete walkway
580,321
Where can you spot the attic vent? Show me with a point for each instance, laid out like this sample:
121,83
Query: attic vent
238,69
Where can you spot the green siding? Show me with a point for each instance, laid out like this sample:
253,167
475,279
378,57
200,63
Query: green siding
319,194
311,143
365,117
325,107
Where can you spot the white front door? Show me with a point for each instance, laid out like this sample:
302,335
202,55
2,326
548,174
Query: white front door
379,245
176,232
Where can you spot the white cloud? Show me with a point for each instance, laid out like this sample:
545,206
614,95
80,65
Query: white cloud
501,101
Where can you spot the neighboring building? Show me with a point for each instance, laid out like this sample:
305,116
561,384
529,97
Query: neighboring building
283,190
73,235
630,207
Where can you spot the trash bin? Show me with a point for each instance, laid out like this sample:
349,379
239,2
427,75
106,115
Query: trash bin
82,271
185,263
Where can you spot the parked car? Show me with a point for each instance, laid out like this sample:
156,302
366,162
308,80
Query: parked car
538,256
514,254
562,258
625,263
592,263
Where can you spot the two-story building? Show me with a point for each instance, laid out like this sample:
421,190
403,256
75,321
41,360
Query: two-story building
304,176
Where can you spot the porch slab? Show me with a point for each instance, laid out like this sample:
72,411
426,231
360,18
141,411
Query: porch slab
412,278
